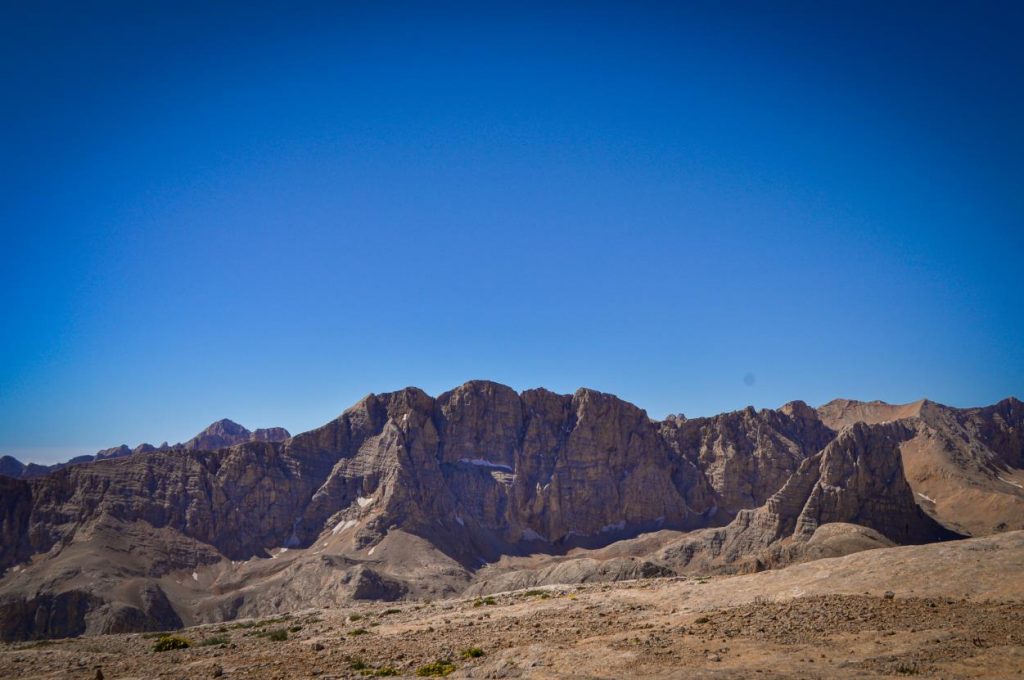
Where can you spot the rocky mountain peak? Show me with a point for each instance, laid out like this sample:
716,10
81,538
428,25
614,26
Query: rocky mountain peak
841,412
226,432
11,466
799,409
114,452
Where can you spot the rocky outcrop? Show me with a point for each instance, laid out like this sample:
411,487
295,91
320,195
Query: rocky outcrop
226,432
860,481
747,455
270,434
46,615
966,466
115,452
76,612
582,570
856,479
850,496
999,429
500,468
15,511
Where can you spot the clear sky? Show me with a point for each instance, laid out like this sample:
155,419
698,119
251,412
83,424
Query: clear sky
265,211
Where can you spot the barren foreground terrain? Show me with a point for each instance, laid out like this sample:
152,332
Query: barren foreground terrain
945,610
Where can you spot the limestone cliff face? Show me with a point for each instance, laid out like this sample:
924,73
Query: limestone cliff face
965,466
996,432
856,479
15,510
241,500
480,462
849,496
860,480
503,467
747,455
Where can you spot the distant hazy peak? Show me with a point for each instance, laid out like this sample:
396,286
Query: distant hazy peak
219,434
226,432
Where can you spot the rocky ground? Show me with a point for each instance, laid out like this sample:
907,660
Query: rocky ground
946,611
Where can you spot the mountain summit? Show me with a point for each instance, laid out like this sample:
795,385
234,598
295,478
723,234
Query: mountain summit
226,432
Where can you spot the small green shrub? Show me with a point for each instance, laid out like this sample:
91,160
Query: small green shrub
295,629
278,635
472,653
483,601
260,624
389,612
439,668
354,617
363,668
215,640
169,642
358,631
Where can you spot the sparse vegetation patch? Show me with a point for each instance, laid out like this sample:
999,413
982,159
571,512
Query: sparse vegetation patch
215,640
437,669
169,642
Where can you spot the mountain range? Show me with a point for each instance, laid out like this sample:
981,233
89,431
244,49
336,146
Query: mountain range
217,435
483,489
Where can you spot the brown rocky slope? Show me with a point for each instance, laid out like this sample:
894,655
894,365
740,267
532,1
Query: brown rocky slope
966,466
943,610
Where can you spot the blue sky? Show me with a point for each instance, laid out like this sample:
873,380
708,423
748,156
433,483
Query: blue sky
264,211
